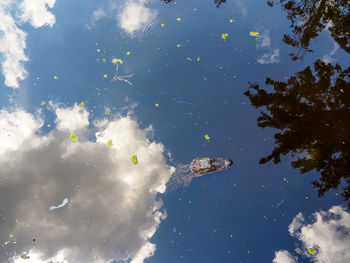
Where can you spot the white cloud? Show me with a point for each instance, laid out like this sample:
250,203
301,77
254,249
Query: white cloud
264,40
328,57
296,223
328,234
36,13
96,16
243,8
134,16
269,58
12,45
15,129
283,256
70,119
131,16
13,39
328,25
112,210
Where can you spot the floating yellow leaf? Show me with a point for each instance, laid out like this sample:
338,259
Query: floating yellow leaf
224,35
134,159
105,76
189,59
198,58
110,143
163,25
157,105
178,45
128,53
43,102
231,20
6,242
98,50
341,90
55,77
207,137
104,60
24,256
81,104
311,250
73,137
11,235
107,112
178,19
147,2
13,241
254,34
115,60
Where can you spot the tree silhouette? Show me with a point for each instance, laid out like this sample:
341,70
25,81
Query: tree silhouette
309,17
313,114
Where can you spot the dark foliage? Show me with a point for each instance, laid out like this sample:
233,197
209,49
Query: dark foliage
312,111
309,17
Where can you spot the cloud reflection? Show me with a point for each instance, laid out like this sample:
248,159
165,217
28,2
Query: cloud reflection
112,210
13,39
269,58
328,234
134,16
131,16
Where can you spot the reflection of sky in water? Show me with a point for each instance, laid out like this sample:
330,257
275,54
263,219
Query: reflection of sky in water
116,209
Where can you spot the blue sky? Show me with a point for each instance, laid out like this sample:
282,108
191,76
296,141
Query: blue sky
188,82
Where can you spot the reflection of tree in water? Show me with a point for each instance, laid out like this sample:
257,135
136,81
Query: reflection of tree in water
309,17
313,114
217,2
312,110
